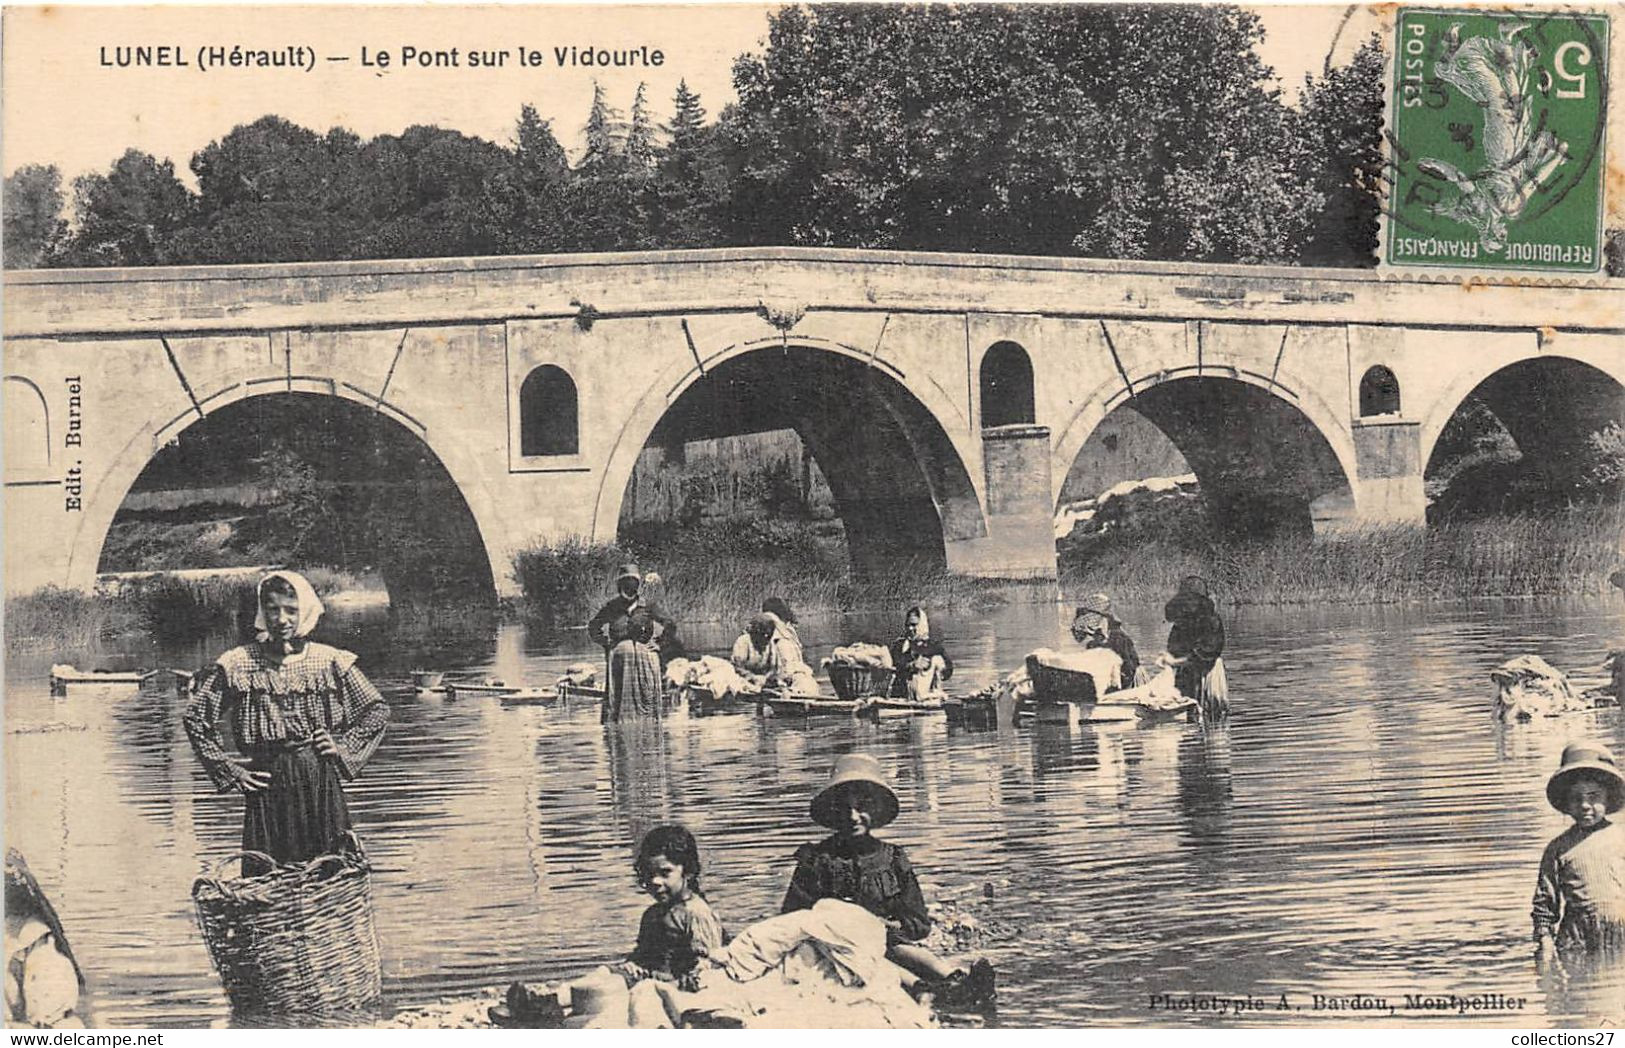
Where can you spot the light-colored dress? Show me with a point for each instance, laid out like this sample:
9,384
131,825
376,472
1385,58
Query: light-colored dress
781,663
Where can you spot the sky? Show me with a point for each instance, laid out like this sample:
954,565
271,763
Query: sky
63,106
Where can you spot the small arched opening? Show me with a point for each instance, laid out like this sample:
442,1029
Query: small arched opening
28,430
549,422
1379,392
1007,386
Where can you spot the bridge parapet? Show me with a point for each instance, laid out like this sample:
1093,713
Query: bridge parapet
445,347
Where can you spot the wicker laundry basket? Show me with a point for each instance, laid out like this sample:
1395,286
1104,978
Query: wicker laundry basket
1052,685
299,939
860,682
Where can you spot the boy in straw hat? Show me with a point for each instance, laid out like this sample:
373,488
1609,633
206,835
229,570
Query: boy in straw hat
1580,896
855,866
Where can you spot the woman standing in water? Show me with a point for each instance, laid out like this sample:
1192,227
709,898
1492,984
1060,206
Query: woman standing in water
303,716
915,653
1195,644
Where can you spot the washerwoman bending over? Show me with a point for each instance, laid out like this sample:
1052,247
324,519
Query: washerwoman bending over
1096,627
770,656
921,662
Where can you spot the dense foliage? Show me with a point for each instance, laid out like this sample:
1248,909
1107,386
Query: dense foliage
1130,131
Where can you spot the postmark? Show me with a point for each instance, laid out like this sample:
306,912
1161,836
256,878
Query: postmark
1496,140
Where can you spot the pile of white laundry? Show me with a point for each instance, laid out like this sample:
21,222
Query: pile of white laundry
715,675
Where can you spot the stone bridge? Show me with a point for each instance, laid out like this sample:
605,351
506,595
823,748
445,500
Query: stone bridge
945,397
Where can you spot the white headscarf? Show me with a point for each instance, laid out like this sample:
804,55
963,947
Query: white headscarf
310,605
923,630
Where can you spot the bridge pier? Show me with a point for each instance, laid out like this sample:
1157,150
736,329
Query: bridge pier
1020,539
1387,488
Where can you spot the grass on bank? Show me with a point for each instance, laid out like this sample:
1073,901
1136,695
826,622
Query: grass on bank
167,606
1567,553
723,575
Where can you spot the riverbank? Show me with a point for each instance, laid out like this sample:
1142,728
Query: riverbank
1566,554
564,585
165,604
1570,553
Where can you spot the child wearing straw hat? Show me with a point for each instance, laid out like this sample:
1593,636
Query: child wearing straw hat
855,866
1580,895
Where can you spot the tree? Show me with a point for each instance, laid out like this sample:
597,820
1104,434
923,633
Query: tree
690,181
434,192
272,191
687,128
542,160
129,216
33,214
1340,127
600,132
606,203
1043,129
640,142
543,171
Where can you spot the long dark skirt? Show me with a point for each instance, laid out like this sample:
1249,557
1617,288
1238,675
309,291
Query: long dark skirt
302,814
1208,685
635,685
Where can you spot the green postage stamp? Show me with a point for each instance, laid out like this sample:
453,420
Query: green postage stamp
1495,139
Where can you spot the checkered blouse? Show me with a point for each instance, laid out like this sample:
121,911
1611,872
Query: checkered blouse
270,703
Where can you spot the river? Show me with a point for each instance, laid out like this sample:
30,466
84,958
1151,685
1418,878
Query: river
1360,829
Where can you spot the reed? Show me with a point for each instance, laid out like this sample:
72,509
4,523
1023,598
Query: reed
565,584
1569,552
167,606
52,618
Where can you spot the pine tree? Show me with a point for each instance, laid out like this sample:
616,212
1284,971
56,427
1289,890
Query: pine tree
600,130
544,177
688,119
690,183
640,138
541,157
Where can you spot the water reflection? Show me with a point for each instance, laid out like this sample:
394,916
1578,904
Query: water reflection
1361,789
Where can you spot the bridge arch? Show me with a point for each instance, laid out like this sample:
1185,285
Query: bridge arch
103,501
1301,445
1549,405
1604,355
899,480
